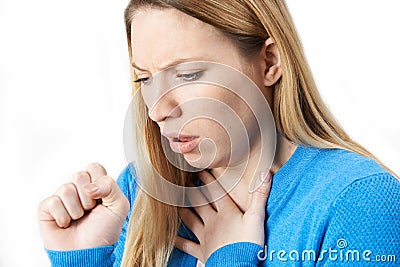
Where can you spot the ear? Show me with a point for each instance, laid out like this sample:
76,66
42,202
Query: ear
272,62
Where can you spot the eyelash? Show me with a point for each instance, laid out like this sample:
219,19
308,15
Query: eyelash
190,76
142,80
185,77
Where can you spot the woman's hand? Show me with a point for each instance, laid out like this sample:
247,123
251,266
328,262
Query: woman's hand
85,213
222,222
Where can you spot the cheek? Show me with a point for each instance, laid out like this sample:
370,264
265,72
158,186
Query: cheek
215,147
212,129
215,139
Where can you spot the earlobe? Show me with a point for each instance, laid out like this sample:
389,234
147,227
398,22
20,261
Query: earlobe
272,59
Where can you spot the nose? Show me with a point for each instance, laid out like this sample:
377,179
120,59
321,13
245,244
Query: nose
164,108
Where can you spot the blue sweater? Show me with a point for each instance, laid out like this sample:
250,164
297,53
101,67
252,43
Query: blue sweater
327,207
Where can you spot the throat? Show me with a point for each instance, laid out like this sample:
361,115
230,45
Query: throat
241,191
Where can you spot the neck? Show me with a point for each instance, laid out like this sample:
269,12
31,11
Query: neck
284,152
240,192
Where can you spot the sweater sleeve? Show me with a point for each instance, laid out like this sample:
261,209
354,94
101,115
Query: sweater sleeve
241,254
364,225
105,256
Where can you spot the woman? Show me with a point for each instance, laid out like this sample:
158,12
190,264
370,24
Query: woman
331,201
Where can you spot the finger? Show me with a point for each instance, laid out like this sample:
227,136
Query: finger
260,196
106,189
52,209
189,247
205,210
80,180
70,199
96,171
192,221
214,191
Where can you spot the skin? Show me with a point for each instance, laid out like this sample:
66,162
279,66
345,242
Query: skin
63,223
64,220
186,37
239,216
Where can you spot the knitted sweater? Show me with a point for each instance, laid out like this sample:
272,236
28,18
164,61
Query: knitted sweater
327,207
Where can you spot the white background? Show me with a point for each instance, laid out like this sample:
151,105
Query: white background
64,91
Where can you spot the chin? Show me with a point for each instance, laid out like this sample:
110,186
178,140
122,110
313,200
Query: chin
206,162
198,164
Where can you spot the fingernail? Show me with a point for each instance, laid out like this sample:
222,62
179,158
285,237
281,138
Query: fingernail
262,176
265,176
91,188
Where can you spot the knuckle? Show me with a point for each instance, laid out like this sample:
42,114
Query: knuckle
53,202
67,190
95,166
108,181
44,202
48,204
81,177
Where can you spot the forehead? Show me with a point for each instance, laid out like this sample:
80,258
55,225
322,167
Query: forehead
161,35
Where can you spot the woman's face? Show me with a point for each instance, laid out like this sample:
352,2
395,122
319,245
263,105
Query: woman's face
163,40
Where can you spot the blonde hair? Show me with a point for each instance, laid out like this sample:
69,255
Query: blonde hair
299,112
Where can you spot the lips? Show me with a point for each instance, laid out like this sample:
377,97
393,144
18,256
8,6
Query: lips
180,143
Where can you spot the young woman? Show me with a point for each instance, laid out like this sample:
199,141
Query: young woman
324,200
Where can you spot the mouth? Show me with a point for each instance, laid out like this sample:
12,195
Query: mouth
182,143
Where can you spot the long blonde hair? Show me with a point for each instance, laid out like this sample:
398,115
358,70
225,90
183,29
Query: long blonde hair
299,112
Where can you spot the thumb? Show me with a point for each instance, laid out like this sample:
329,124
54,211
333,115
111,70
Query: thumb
260,196
106,189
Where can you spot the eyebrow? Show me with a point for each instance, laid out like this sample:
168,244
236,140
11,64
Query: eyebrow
173,63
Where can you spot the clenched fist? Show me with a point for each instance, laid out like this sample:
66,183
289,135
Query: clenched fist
87,212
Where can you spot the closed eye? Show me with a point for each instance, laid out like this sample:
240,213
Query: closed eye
142,81
189,77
